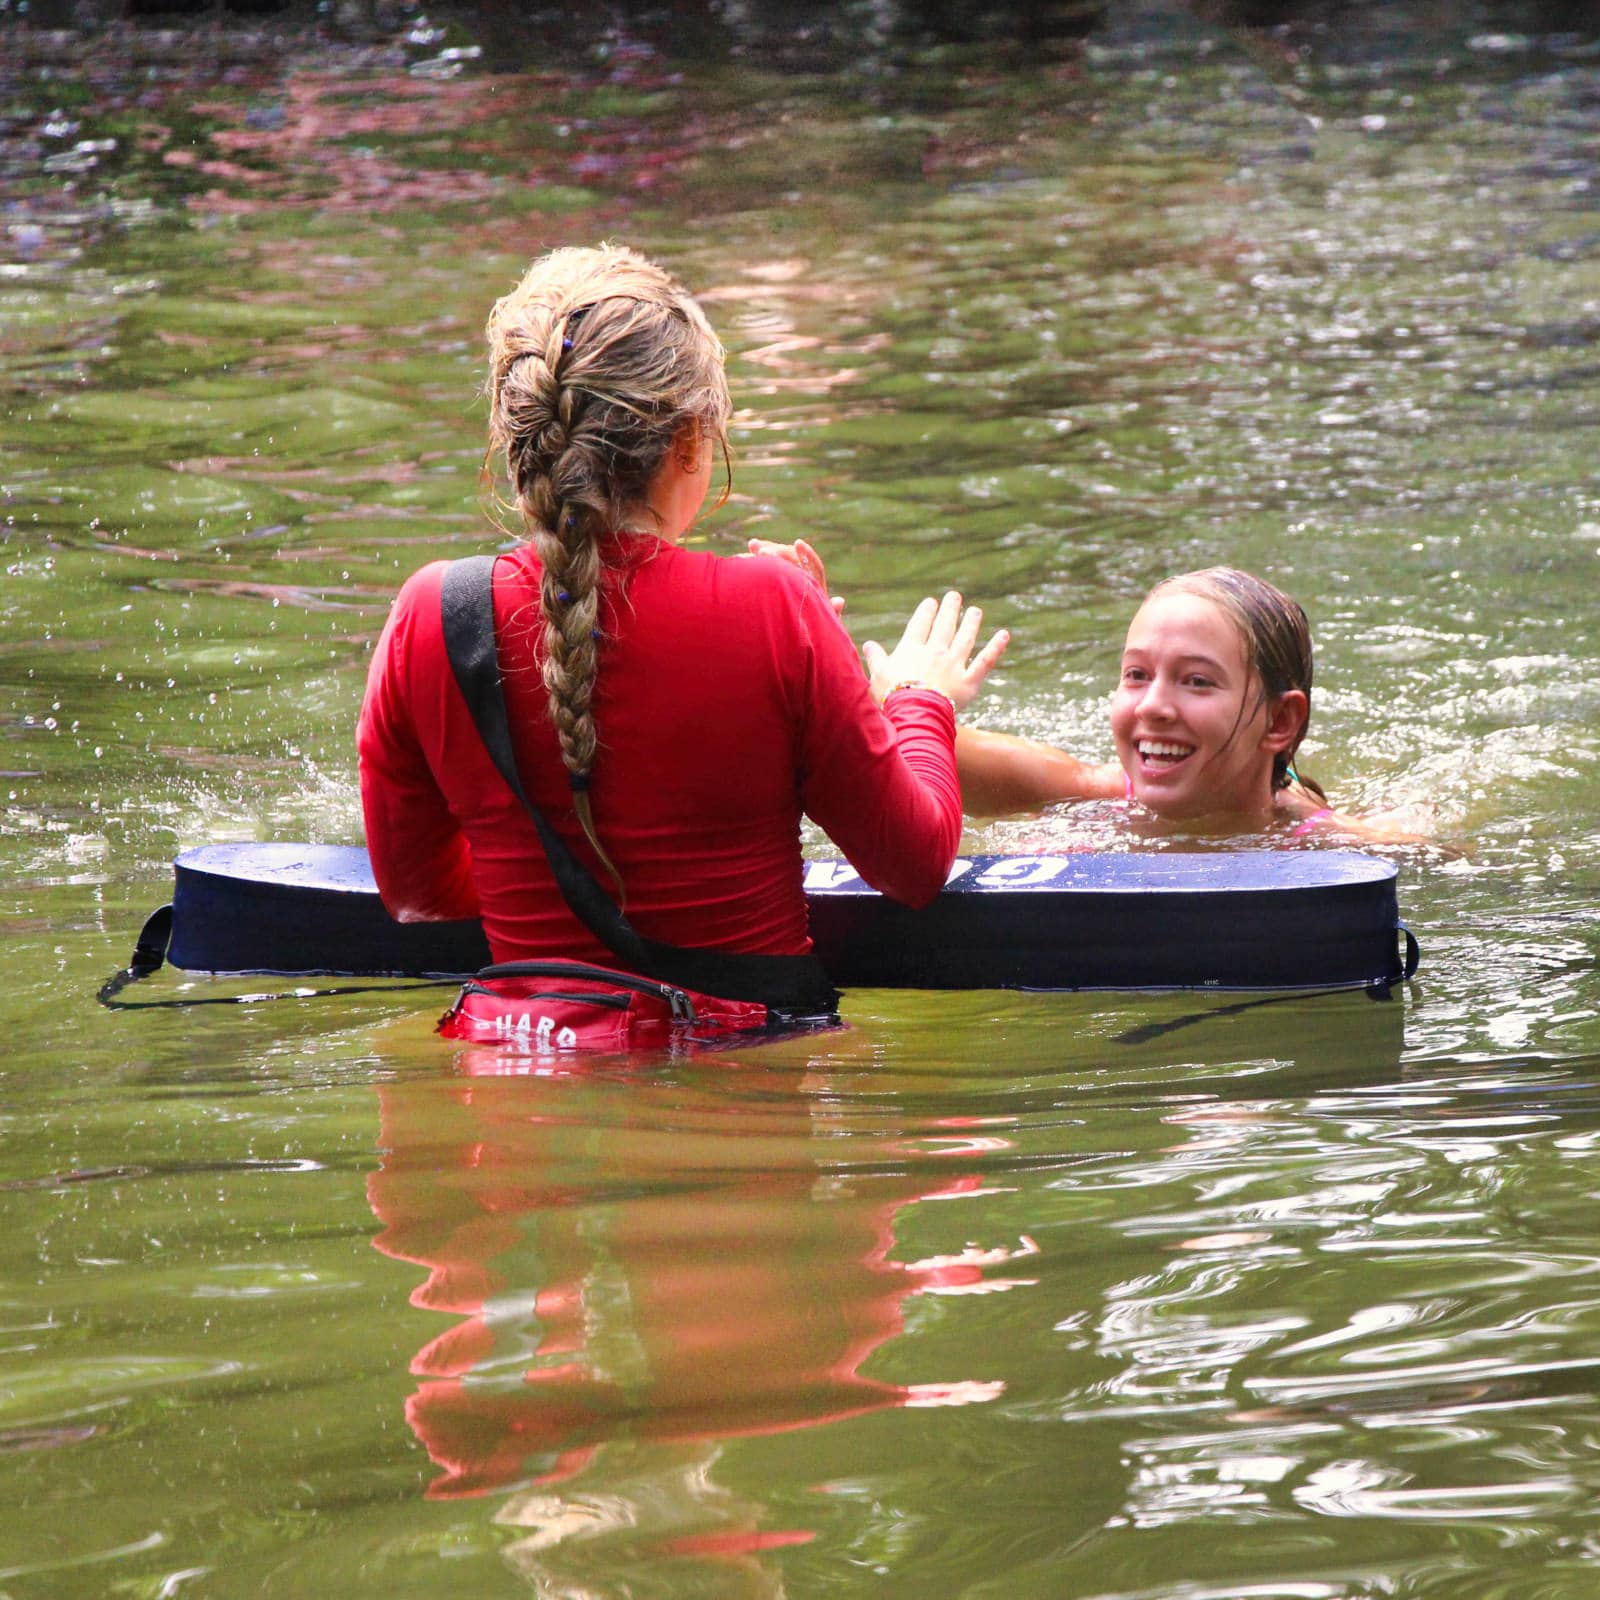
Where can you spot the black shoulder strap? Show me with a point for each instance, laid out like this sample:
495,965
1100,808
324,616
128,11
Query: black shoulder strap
795,984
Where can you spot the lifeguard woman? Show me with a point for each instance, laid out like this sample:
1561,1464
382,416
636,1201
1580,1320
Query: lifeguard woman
673,713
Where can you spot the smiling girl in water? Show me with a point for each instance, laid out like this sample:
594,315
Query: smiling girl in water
1210,708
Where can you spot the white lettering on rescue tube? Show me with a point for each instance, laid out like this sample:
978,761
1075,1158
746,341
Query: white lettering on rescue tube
840,874
830,874
1021,872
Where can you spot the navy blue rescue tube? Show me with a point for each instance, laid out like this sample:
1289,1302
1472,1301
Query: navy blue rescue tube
1223,919
1226,920
302,909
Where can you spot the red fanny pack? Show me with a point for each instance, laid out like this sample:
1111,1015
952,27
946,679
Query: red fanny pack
551,1007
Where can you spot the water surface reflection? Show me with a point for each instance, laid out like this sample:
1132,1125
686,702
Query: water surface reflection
676,1267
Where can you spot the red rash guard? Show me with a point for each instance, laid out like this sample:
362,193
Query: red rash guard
729,700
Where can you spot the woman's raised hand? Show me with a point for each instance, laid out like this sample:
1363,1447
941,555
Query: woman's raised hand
934,652
800,554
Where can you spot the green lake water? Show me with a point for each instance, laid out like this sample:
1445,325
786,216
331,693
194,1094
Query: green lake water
991,1295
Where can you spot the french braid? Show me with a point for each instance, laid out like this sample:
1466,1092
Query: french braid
598,361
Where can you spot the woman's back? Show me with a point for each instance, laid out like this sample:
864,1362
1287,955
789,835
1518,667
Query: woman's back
731,700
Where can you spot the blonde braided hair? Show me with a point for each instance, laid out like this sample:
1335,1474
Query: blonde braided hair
598,362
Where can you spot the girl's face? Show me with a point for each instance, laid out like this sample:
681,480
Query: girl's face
1189,731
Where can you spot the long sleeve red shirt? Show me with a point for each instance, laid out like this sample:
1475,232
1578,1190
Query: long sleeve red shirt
729,700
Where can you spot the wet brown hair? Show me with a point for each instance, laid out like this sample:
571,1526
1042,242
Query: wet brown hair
1277,644
598,361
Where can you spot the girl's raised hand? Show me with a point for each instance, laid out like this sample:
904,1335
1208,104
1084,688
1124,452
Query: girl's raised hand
800,554
934,651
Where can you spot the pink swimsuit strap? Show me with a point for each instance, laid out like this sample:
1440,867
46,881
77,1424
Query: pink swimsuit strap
1308,823
1304,826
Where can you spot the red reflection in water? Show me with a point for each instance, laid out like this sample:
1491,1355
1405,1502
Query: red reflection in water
675,1280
